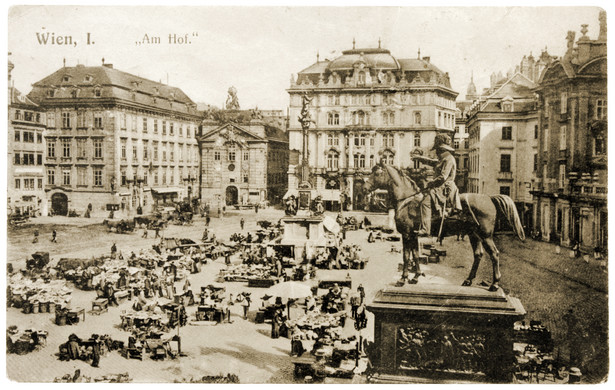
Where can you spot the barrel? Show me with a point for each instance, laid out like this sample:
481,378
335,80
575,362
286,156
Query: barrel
27,307
52,307
35,307
44,307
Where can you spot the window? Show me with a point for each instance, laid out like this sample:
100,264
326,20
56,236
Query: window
563,102
134,153
188,132
388,140
81,176
417,118
505,163
535,131
562,137
123,177
156,177
66,148
97,92
333,119
66,177
123,121
181,130
66,120
507,132
231,155
51,177
388,158
28,184
417,140
17,136
164,151
28,136
388,118
51,148
246,156
535,162
361,78
155,126
145,150
333,160
505,190
332,140
601,109
562,176
217,156
123,149
545,141
81,148
171,131
98,145
361,118
599,145
172,152
456,144
98,177
156,151
245,177
134,124
337,100
51,121
145,125
17,184
164,127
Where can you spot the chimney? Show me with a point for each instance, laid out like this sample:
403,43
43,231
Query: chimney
426,58
602,18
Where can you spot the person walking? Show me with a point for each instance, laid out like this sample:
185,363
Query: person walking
54,236
246,306
35,240
361,291
157,230
242,222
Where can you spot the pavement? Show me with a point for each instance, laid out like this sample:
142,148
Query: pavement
547,283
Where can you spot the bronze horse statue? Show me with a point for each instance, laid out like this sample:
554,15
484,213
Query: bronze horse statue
477,220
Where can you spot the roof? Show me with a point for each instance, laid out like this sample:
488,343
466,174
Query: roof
379,59
123,85
16,98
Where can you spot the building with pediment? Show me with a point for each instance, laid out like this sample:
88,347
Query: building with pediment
367,106
570,191
244,158
116,141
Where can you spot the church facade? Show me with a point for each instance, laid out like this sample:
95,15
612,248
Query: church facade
367,107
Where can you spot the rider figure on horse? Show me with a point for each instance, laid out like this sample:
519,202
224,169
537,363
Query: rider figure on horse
442,190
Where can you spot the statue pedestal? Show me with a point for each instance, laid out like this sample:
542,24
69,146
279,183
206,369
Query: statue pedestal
441,333
303,232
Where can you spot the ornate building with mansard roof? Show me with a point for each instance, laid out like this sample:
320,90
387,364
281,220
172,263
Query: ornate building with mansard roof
116,140
368,106
570,191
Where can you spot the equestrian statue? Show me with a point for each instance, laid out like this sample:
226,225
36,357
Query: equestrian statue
469,214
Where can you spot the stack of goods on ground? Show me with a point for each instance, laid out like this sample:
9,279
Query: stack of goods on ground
23,342
228,378
36,295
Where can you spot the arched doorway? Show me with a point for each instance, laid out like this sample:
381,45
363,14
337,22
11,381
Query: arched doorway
59,204
232,195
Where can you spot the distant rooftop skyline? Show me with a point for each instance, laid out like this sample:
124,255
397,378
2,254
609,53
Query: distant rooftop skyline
257,49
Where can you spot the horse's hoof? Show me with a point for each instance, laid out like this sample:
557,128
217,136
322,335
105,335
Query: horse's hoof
466,283
414,280
400,282
494,287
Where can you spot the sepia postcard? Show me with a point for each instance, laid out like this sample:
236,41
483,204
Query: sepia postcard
306,194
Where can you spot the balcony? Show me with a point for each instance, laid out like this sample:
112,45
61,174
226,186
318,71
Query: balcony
508,176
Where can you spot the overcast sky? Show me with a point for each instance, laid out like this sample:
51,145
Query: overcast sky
257,49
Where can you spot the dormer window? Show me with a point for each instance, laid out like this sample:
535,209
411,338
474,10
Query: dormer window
66,78
97,92
51,93
361,78
88,79
74,93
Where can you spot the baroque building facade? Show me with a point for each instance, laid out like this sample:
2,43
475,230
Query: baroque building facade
116,141
570,192
25,159
367,106
244,158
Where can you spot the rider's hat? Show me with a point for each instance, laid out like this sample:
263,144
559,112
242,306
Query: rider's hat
442,141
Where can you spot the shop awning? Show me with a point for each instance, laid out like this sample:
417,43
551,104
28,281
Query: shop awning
166,190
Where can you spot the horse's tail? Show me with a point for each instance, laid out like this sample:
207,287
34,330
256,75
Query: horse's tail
506,206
